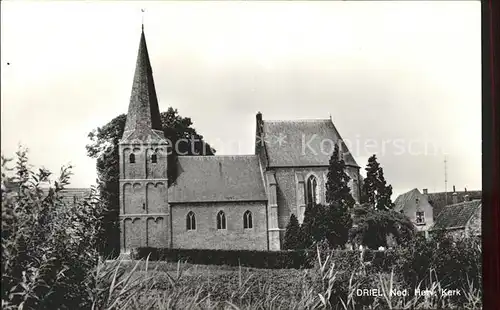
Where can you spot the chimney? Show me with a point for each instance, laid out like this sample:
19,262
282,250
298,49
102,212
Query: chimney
454,196
258,117
466,190
453,188
259,139
426,194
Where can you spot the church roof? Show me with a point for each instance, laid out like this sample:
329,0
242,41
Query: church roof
299,143
143,117
218,179
456,215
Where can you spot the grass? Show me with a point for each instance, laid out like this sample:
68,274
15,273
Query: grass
167,285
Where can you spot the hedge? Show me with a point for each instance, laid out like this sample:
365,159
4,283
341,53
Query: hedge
296,259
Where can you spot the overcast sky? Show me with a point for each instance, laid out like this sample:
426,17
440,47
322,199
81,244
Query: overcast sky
406,71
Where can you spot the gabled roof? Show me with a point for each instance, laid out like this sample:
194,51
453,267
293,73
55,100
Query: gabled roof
218,178
299,143
456,215
407,199
143,117
439,200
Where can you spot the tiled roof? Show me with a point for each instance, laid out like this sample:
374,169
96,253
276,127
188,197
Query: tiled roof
295,136
218,178
456,215
70,193
403,200
438,200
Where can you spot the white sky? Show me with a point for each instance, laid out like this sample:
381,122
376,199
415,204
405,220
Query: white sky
406,70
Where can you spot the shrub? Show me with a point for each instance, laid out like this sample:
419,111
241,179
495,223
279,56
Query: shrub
455,262
48,246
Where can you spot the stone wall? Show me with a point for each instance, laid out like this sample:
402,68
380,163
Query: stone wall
207,236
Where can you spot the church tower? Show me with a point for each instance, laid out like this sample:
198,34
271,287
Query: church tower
144,209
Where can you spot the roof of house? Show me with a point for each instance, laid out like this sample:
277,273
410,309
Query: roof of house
299,143
218,178
403,201
72,192
439,200
456,215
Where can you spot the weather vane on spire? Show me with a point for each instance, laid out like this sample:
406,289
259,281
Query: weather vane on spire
142,18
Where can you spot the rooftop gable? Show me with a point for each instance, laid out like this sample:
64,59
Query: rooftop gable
297,143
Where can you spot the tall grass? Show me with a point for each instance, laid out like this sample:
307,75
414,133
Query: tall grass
184,288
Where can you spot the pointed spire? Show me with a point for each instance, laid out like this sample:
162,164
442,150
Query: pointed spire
143,111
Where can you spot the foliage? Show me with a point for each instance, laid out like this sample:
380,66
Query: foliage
339,200
454,261
49,247
372,227
315,227
333,283
292,239
375,190
104,148
257,259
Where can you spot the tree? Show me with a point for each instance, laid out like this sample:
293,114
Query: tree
292,234
375,190
314,227
339,200
104,148
372,227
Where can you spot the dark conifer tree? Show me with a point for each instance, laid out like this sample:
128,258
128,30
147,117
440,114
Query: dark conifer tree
313,229
339,200
375,190
292,234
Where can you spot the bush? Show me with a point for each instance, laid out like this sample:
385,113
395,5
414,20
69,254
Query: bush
455,262
295,259
48,246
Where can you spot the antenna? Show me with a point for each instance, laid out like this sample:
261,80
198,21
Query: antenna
445,183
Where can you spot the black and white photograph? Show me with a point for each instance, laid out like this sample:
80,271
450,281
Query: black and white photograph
241,155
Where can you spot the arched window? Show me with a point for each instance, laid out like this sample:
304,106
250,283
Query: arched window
190,221
131,158
312,192
247,220
154,158
221,220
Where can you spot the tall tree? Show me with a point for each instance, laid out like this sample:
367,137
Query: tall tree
339,200
103,147
375,190
292,234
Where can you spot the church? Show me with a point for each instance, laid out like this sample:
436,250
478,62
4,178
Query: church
231,202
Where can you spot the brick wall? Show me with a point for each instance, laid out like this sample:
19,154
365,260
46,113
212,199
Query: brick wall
207,236
289,196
